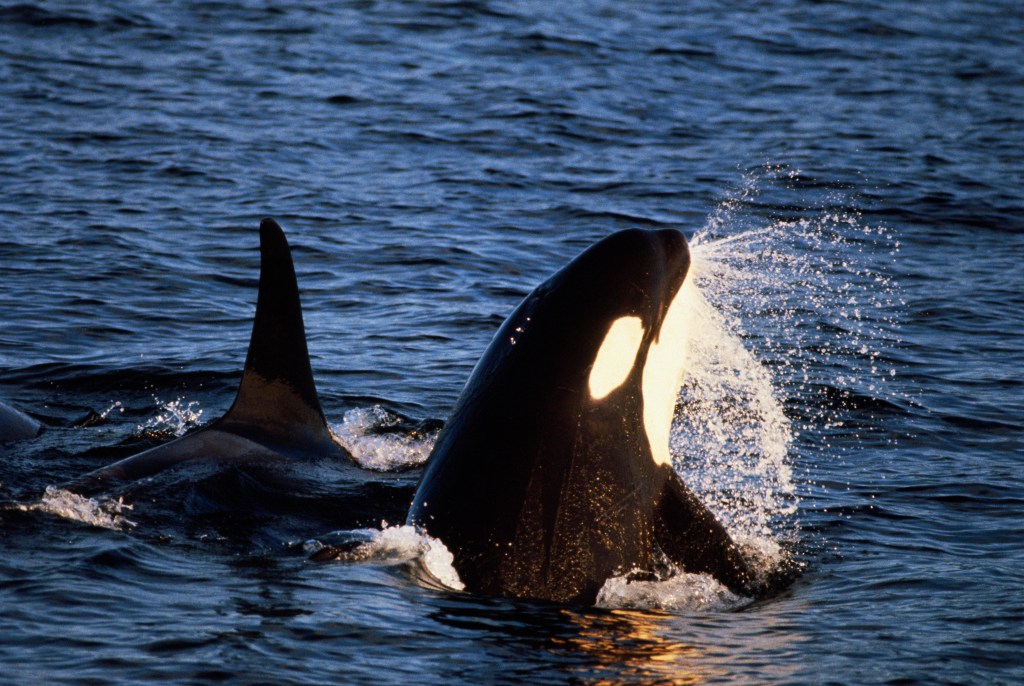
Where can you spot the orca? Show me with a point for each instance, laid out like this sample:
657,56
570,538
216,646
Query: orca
15,425
553,473
276,413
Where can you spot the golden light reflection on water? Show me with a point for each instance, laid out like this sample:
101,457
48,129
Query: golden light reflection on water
544,643
644,647
628,644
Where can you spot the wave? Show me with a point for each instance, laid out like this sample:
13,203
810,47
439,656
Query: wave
35,16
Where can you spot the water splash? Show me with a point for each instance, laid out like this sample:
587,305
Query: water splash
173,419
681,592
804,281
787,305
105,514
370,435
429,558
115,406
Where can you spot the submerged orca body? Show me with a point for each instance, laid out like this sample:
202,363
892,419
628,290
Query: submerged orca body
276,413
553,473
15,425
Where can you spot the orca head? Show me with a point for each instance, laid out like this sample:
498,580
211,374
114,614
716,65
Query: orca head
606,331
545,479
645,342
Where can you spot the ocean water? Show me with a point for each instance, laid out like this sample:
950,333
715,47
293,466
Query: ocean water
849,175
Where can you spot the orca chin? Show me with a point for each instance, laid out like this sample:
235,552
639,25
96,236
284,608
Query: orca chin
276,414
553,473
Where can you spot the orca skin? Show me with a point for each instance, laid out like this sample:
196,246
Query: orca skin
277,413
15,425
545,481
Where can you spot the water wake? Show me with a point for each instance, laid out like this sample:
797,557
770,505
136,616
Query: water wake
681,592
432,563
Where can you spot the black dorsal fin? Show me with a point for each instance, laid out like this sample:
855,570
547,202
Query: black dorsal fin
277,395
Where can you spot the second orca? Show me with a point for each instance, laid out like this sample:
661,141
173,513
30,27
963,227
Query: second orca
276,413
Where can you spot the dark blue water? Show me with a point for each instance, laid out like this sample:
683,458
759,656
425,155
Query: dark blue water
431,163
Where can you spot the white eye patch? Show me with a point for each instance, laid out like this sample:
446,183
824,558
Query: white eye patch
616,356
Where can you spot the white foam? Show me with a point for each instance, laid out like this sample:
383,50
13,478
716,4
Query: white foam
105,514
359,434
680,593
405,545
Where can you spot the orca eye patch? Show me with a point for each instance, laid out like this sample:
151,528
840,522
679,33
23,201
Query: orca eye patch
616,356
